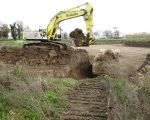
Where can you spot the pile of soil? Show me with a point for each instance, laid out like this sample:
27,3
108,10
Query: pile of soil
33,56
145,66
78,36
71,62
143,69
103,63
107,56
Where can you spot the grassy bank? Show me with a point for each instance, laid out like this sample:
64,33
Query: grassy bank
13,43
138,40
27,96
138,43
108,41
138,37
129,99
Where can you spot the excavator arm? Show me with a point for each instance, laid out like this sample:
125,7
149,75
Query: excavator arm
87,14
53,26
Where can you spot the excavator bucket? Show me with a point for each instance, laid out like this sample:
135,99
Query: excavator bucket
78,38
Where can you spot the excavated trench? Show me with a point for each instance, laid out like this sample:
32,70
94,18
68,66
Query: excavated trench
56,63
86,101
50,60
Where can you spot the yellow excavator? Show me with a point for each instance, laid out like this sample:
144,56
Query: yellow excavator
53,25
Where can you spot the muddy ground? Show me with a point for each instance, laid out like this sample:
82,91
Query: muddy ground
131,57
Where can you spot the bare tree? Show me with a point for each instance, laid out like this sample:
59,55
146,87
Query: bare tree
16,30
0,29
19,25
107,33
4,30
116,34
97,34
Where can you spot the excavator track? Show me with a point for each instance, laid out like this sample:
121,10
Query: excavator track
47,44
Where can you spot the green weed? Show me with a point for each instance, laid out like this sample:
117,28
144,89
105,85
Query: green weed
61,85
28,100
3,109
119,88
28,115
18,71
123,94
55,100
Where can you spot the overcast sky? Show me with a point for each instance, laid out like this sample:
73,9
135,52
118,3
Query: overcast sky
130,16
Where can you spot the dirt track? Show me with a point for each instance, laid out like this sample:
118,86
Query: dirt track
131,57
88,101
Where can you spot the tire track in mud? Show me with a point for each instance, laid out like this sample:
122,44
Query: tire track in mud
87,101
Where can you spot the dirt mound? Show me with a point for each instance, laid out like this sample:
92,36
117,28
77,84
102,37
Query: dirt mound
33,56
146,65
79,37
103,62
143,69
108,55
70,62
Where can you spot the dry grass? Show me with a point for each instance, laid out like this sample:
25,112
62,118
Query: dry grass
32,96
129,99
123,100
23,96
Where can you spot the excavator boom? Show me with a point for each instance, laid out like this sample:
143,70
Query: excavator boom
71,13
87,14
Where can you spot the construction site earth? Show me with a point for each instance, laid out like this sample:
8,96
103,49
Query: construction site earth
87,100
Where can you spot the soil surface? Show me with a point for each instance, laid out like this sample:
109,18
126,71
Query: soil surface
87,101
131,57
52,62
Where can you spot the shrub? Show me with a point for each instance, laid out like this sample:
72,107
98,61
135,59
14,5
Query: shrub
18,71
